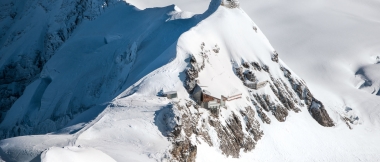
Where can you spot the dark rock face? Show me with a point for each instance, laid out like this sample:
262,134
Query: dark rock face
315,107
192,74
275,56
256,66
246,64
184,151
280,113
319,113
239,72
286,97
277,110
250,76
251,123
265,68
289,97
264,118
232,138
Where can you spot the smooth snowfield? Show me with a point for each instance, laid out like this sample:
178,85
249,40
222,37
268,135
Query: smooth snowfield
129,121
74,154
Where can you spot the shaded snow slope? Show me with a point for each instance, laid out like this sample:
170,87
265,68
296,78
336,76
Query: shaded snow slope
95,65
31,32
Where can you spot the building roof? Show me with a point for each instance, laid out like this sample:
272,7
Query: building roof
170,92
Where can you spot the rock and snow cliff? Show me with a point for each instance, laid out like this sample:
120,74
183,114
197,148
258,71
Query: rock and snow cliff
101,87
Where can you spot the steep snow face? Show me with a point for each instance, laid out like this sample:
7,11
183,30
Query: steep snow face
89,69
338,45
95,65
31,32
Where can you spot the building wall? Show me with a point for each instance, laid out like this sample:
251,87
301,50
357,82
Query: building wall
207,98
170,96
213,104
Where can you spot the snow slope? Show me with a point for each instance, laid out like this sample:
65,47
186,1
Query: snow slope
115,109
333,46
336,40
73,154
31,32
72,82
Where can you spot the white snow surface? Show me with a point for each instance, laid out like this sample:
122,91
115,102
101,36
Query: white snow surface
324,42
74,154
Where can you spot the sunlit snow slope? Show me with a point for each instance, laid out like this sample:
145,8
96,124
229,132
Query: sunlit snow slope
99,96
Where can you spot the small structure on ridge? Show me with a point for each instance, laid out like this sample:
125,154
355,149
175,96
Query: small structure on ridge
171,94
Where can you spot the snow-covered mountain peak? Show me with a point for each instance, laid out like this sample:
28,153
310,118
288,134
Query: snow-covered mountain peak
104,89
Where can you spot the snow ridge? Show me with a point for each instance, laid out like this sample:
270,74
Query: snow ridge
118,108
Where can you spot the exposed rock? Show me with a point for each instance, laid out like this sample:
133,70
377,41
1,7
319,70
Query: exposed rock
216,49
232,137
279,112
256,66
286,97
245,65
265,68
287,73
192,74
230,3
347,120
239,73
263,116
184,151
253,126
315,107
275,56
255,28
319,113
250,76
261,102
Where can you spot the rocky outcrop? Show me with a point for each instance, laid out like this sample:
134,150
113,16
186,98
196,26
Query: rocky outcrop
184,151
192,74
256,66
231,137
230,3
319,113
315,107
275,56
289,98
195,68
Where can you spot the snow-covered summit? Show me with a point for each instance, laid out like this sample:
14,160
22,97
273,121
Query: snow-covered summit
101,91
